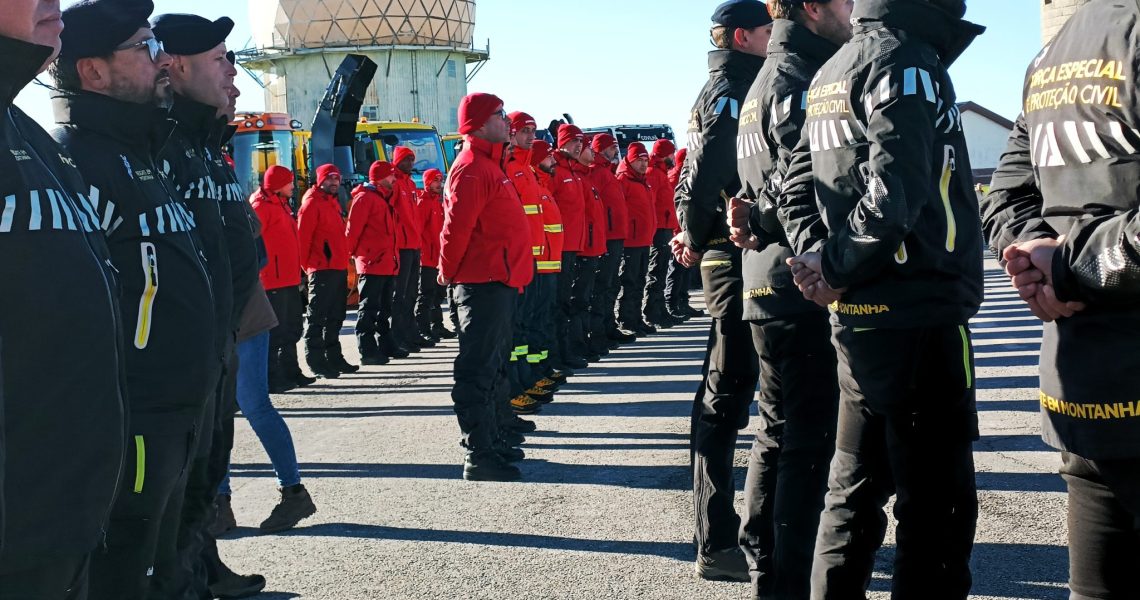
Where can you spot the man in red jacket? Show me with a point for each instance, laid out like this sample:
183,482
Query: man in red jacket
569,192
660,254
549,266
679,279
616,225
407,283
485,252
324,256
281,277
639,198
583,315
371,240
429,208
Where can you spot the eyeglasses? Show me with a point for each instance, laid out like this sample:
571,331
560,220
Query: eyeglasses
501,113
153,46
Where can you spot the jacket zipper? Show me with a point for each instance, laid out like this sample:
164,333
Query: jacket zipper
949,165
150,290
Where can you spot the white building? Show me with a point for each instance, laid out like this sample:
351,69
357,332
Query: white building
986,136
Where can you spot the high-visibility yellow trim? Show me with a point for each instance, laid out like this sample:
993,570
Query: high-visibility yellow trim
140,463
556,228
534,359
549,265
966,357
537,250
545,354
948,167
708,264
532,209
900,254
150,290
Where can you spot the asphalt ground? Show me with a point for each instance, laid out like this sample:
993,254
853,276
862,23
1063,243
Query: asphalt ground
604,509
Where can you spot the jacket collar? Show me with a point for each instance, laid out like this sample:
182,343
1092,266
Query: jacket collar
735,65
199,121
627,172
481,147
949,35
270,197
789,37
22,62
140,125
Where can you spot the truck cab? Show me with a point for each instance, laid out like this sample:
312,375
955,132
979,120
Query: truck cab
377,140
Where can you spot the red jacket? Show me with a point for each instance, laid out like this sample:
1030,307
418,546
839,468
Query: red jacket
279,232
371,231
408,236
567,187
320,233
594,244
639,199
550,261
429,207
522,176
613,200
666,210
675,172
485,236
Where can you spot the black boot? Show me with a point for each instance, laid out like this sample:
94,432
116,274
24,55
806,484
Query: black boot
369,350
390,348
279,383
488,465
337,362
291,370
319,363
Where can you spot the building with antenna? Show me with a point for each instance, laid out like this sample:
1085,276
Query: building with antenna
423,48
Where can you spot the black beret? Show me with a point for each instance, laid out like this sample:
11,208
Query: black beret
187,35
98,27
742,14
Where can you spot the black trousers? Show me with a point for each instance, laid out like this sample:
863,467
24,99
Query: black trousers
603,307
518,379
795,439
374,312
407,288
328,299
1104,527
62,579
907,422
585,276
429,312
452,311
634,265
480,392
677,286
542,334
720,407
659,257
148,509
288,306
563,302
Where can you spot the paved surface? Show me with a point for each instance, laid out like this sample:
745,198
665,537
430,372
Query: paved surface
604,510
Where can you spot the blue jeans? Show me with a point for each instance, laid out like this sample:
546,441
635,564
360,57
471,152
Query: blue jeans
253,399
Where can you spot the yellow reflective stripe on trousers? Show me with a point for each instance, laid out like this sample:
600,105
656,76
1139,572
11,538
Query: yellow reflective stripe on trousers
534,359
140,463
543,355
966,357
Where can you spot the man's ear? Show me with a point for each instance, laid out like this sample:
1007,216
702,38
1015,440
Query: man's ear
94,73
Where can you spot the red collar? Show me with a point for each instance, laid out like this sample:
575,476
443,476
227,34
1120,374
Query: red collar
480,146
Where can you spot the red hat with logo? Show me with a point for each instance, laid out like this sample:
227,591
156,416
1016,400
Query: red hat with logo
602,142
431,176
663,148
276,177
475,110
540,151
324,171
568,133
401,153
380,170
520,119
635,151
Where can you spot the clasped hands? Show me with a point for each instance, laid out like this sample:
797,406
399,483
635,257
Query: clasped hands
1030,269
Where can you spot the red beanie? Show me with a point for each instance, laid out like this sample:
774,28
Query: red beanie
401,153
635,151
539,152
475,110
568,133
431,176
603,141
663,148
276,177
520,119
379,170
324,171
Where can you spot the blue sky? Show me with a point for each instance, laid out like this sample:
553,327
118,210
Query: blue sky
636,61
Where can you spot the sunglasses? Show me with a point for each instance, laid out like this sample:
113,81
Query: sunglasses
153,47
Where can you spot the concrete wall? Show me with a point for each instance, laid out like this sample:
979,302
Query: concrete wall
403,88
985,140
1054,14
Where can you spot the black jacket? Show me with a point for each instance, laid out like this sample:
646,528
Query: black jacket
883,154
770,122
192,159
1072,169
710,168
167,304
62,410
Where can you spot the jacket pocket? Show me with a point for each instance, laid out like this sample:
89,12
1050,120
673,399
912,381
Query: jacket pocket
150,291
949,165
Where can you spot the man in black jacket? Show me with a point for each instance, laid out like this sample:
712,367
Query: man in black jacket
61,429
1062,216
109,80
741,30
787,469
201,76
895,242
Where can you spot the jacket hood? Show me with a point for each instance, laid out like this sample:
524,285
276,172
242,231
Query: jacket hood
789,37
22,64
200,121
949,35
